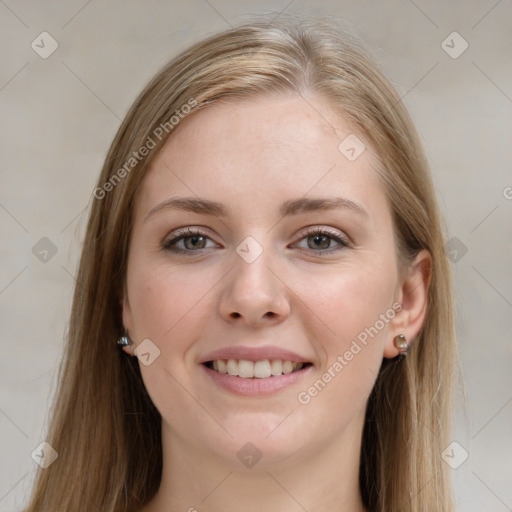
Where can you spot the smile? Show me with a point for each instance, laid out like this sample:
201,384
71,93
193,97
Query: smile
246,369
255,378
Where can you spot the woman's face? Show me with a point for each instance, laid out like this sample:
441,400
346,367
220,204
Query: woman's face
289,264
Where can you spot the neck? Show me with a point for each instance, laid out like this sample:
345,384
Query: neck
325,480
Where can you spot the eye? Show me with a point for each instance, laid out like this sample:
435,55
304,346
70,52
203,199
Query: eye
320,239
190,239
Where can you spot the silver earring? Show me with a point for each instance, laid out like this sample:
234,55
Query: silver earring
401,344
123,341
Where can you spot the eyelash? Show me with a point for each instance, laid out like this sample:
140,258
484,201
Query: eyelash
191,232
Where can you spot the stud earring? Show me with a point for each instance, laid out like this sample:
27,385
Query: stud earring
401,344
123,341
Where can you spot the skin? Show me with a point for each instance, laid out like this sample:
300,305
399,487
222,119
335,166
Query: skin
251,156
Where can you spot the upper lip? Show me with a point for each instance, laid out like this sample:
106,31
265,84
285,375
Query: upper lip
253,354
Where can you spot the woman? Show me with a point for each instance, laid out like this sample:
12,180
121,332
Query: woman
263,313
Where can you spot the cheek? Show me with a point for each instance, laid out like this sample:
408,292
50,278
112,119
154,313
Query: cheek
353,300
170,306
356,305
164,297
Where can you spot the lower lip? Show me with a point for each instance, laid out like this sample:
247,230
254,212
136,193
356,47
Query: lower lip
253,386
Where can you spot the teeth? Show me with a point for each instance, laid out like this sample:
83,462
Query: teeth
276,367
259,369
287,367
232,367
245,369
222,366
262,369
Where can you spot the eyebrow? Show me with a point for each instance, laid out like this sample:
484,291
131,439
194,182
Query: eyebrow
291,207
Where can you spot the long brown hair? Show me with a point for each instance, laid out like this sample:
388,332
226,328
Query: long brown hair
104,426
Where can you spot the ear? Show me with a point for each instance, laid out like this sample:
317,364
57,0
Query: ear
412,293
127,320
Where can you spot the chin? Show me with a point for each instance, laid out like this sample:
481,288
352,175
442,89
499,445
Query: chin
261,440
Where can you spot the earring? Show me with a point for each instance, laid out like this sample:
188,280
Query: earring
123,341
401,344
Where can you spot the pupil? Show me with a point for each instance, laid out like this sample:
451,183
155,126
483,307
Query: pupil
318,240
194,240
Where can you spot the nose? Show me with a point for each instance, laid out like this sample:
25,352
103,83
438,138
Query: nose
254,294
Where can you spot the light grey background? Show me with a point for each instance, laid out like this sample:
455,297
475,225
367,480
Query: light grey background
60,114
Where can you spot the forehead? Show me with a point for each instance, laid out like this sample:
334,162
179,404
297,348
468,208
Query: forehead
265,148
